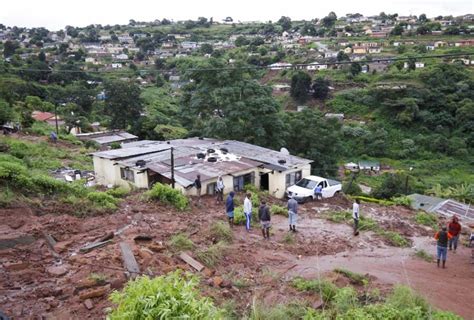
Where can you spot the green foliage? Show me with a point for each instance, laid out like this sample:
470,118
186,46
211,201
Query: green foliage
115,145
239,216
292,310
345,299
356,278
212,254
402,201
422,254
168,195
118,192
221,231
365,223
351,188
173,296
169,132
180,242
394,238
393,185
276,209
374,200
123,104
288,238
6,197
326,289
300,86
103,200
427,219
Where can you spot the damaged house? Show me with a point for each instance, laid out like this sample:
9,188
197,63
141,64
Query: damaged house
141,164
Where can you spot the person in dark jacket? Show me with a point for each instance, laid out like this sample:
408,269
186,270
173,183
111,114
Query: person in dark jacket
197,185
442,245
454,229
229,207
265,218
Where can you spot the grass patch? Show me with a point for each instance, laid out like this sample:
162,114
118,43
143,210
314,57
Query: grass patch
356,278
394,238
375,200
213,254
118,192
422,254
292,310
288,238
326,289
427,219
180,242
98,278
221,231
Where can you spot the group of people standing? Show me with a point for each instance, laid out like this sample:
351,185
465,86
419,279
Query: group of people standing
264,215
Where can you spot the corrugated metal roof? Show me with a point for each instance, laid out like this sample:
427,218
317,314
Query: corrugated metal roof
446,207
422,202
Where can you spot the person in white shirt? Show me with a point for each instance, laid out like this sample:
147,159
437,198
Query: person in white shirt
248,210
220,190
355,216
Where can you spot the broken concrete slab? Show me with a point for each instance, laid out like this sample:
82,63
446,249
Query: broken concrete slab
88,304
13,242
94,245
16,266
57,270
129,261
94,293
108,236
189,260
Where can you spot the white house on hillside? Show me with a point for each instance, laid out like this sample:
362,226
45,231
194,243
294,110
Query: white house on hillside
143,163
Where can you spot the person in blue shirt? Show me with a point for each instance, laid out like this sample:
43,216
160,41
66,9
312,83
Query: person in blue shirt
318,192
229,207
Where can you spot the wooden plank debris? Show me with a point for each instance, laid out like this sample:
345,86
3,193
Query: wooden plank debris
129,261
189,260
94,245
51,242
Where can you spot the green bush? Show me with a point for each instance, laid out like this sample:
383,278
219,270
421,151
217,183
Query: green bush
239,216
173,296
276,209
6,197
115,145
288,238
168,195
345,299
402,201
221,231
180,242
292,310
103,200
118,192
91,144
427,219
351,188
374,200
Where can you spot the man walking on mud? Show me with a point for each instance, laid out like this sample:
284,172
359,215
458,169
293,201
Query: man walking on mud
454,229
355,216
264,217
197,185
292,213
248,211
442,245
229,208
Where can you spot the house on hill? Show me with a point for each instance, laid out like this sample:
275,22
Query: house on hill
144,163
48,117
445,207
107,138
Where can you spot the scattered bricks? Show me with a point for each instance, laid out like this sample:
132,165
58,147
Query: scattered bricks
207,272
217,281
167,269
94,293
156,247
88,304
16,266
57,270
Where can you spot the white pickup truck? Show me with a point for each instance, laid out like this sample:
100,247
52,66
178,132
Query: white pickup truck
304,190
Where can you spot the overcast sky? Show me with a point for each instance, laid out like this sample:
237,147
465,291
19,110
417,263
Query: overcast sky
55,14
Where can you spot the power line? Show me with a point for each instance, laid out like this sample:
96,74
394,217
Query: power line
279,67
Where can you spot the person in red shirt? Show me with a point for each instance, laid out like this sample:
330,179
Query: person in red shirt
454,229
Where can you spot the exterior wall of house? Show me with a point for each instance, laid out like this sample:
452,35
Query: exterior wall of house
277,180
106,173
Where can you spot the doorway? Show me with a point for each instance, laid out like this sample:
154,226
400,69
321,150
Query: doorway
264,181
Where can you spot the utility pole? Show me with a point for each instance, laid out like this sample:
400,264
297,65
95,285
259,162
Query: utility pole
56,118
172,168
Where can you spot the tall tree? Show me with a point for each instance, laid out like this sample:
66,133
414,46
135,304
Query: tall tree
230,104
320,88
285,23
123,103
300,86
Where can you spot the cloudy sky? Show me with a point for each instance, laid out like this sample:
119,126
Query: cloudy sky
55,14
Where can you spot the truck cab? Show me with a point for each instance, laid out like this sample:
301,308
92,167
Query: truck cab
304,189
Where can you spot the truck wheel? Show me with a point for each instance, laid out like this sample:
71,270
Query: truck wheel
307,199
